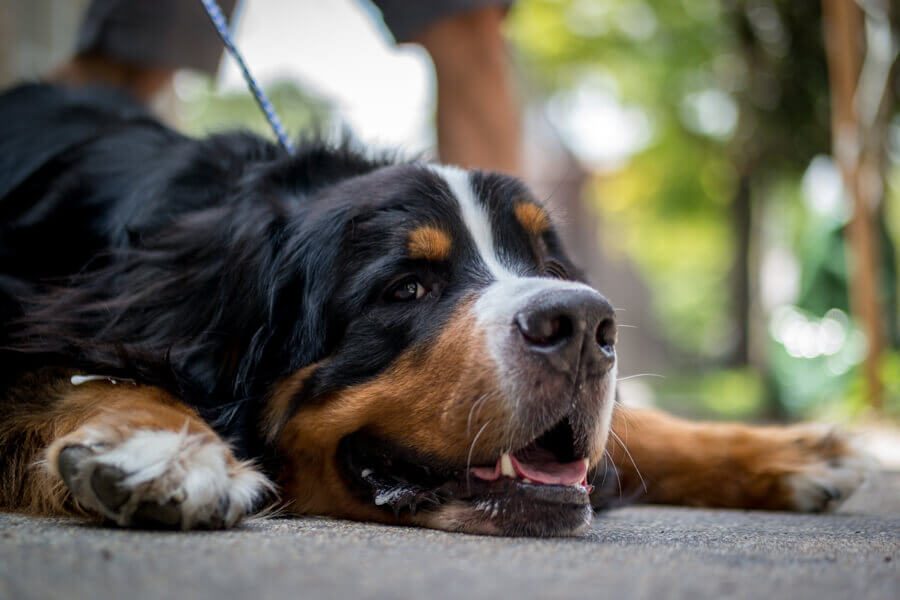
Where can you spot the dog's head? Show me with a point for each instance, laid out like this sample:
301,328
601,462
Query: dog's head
456,373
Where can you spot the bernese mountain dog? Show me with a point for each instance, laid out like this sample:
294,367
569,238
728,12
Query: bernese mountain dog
195,329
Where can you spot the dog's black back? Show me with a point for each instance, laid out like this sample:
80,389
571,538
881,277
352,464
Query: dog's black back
125,244
85,171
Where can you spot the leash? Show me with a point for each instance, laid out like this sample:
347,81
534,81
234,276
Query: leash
221,25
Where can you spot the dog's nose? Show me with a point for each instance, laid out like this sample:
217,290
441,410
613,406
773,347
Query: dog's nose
573,330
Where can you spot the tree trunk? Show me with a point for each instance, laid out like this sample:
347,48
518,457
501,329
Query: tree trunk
742,222
861,170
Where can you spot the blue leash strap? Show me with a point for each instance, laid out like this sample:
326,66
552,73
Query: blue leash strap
221,25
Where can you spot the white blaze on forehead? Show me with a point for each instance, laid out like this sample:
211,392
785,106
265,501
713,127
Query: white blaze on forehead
475,217
511,292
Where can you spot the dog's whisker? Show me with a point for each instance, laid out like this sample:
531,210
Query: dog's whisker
636,375
469,459
609,460
630,457
480,399
490,395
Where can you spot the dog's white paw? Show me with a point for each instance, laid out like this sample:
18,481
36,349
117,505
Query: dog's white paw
158,478
831,471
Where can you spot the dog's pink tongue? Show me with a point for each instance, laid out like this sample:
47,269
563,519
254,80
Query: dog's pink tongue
544,471
486,473
551,472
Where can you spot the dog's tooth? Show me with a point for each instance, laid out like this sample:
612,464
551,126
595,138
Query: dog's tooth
506,467
365,473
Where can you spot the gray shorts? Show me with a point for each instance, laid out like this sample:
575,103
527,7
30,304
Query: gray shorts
158,33
178,34
406,18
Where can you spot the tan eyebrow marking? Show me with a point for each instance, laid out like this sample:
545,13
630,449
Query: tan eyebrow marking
533,218
430,243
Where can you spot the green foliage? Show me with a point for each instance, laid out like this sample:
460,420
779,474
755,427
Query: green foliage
670,203
729,394
204,110
852,402
890,376
761,65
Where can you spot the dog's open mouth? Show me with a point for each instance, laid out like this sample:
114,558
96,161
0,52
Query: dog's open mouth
538,489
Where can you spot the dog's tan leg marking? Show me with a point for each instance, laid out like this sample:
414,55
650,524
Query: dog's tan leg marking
135,455
803,467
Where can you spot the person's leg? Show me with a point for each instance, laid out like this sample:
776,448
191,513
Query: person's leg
143,82
477,112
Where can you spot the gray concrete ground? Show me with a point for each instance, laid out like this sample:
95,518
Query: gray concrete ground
637,552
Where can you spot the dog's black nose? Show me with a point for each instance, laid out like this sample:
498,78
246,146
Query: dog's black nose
573,330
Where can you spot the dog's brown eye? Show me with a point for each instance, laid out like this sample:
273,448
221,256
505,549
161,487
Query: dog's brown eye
408,289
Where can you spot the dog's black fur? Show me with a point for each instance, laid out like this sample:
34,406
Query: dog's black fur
350,322
206,267
187,251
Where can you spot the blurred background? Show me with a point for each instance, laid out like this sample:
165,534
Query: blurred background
727,171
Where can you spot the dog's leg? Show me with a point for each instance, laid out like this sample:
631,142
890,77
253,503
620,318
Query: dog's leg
663,459
130,453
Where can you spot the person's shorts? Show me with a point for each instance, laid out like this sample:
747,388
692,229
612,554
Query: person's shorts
159,33
178,34
406,18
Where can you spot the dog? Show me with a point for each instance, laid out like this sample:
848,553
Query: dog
195,329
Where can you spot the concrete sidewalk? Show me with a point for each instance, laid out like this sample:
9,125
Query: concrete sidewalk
638,552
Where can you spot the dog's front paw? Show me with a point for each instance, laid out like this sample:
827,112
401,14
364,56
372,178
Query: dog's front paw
157,478
825,469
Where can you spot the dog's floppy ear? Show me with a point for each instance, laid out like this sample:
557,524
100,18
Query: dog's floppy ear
311,270
190,308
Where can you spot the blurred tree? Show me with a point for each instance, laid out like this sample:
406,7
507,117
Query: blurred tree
783,123
736,96
862,51
668,205
202,109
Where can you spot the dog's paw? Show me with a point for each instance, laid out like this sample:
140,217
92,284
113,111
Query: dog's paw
157,478
826,469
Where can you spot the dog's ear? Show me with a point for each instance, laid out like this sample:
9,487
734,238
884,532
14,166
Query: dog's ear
309,272
179,310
